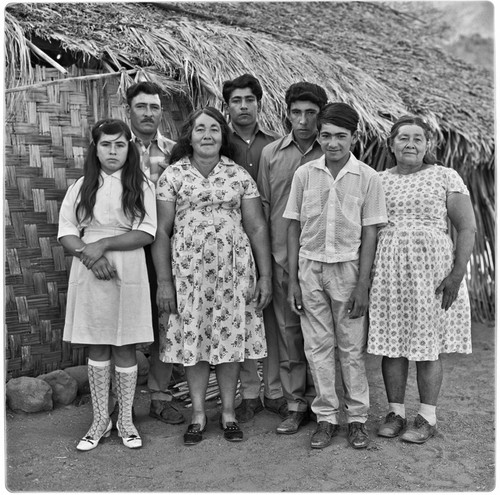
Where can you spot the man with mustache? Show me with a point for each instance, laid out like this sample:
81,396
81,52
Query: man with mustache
242,103
144,111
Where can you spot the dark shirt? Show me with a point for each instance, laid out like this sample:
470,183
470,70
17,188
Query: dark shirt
248,154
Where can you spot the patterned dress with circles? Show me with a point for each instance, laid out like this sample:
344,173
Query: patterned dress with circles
213,267
414,254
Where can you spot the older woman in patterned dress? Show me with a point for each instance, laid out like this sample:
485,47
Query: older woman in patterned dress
211,290
419,306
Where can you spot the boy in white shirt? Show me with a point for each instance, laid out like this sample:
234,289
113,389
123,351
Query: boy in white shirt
335,205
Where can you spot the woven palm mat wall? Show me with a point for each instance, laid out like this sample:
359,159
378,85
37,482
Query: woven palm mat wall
46,138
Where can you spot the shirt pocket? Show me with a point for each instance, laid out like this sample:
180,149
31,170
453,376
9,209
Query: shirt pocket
311,205
352,208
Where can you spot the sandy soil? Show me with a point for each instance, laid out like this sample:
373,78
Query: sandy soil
41,454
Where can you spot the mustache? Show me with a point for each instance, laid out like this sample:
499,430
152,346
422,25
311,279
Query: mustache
147,119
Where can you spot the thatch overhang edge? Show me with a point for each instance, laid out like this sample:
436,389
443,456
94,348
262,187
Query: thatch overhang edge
202,74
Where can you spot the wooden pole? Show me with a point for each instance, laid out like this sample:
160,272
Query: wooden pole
76,78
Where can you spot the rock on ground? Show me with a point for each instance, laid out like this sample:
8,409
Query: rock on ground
29,395
64,386
80,374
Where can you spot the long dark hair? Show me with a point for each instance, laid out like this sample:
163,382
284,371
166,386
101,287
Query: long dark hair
183,147
429,157
132,175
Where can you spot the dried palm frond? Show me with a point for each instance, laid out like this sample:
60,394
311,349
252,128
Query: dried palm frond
17,58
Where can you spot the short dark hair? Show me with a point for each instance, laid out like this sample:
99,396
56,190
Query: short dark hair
429,157
148,87
340,114
305,91
183,146
241,82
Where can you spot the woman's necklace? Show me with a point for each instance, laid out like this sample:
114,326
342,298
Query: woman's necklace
204,170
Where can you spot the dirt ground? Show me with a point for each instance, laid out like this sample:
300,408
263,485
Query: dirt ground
41,455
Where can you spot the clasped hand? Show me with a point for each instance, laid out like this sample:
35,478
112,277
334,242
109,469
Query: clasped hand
92,257
90,253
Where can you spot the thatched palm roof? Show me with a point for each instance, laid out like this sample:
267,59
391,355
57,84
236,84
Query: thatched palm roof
199,54
381,61
393,47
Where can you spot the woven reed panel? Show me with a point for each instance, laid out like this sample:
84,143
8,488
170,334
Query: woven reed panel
45,144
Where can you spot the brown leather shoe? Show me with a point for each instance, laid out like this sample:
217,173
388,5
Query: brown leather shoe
323,435
278,406
419,432
293,422
358,436
392,426
166,411
248,409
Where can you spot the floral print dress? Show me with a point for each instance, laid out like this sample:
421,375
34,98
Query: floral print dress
414,254
213,267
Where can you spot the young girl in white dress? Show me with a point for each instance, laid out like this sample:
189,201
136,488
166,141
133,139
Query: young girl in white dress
106,218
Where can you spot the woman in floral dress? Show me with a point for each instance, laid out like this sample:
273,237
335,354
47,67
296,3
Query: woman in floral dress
210,291
419,306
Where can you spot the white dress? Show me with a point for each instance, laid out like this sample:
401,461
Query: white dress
117,311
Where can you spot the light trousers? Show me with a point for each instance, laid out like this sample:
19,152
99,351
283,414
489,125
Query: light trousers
326,288
249,378
296,379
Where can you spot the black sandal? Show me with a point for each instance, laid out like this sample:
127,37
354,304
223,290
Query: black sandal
232,432
194,433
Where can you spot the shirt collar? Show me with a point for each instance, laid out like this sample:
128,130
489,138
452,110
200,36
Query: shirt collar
161,141
256,131
138,140
289,139
185,161
115,175
351,166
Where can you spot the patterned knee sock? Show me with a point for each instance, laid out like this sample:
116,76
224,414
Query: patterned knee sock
99,378
126,380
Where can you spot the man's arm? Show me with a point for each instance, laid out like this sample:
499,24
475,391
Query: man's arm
358,302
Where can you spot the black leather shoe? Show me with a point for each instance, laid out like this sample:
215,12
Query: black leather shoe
323,435
392,426
419,432
278,406
232,432
292,423
248,409
194,433
358,436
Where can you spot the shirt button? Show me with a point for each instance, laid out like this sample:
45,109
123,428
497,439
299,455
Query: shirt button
209,208
210,222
